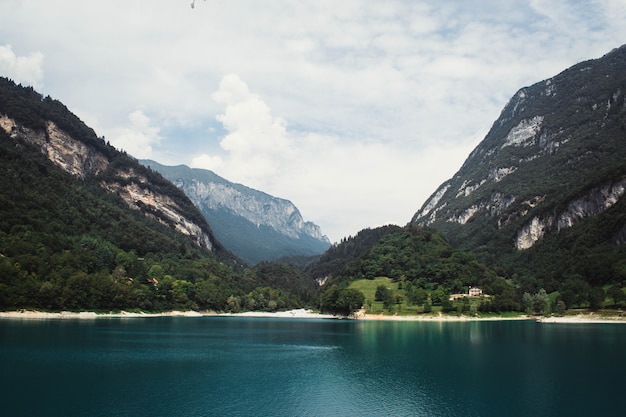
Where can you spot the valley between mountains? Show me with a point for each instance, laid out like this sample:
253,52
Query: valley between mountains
534,222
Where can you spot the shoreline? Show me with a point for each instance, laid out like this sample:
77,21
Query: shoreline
38,315
309,314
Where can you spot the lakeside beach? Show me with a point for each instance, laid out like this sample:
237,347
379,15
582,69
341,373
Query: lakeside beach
309,314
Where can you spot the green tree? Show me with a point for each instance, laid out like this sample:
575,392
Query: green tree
575,291
349,301
328,299
541,302
437,296
341,301
156,272
382,293
446,305
528,302
596,298
233,304
617,294
416,296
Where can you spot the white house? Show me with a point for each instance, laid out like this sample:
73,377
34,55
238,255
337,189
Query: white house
475,292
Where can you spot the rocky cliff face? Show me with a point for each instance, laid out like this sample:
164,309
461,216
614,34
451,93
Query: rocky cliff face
554,158
72,155
83,161
254,225
257,207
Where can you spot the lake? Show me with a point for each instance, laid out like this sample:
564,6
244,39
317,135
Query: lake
232,366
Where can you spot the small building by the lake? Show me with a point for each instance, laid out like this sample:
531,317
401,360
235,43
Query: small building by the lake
475,292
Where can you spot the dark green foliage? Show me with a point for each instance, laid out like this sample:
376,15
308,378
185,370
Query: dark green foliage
287,278
579,148
616,294
596,298
382,293
341,301
68,244
347,252
419,255
420,260
416,295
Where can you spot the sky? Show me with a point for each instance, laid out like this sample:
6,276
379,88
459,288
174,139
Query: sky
354,110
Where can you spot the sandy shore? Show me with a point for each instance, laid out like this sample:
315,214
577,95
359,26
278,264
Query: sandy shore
304,313
28,314
438,318
583,318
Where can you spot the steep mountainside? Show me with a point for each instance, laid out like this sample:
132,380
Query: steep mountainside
252,224
46,124
349,250
85,227
542,195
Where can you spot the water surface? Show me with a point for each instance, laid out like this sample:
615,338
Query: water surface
226,366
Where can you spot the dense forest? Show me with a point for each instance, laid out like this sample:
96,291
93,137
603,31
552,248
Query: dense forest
425,267
68,243
554,163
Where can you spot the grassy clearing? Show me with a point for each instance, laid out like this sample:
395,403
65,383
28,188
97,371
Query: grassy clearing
368,288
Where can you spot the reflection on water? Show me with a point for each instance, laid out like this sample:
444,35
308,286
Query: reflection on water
284,367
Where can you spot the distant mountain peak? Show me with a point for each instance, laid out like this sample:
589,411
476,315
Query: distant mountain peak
252,224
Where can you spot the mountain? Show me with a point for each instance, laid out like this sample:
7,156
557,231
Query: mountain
252,224
541,197
416,266
349,250
46,124
86,227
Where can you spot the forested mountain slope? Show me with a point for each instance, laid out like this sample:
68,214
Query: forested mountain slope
348,250
541,197
83,226
46,124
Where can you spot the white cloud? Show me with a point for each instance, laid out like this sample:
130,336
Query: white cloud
256,142
138,139
374,92
21,69
346,185
205,161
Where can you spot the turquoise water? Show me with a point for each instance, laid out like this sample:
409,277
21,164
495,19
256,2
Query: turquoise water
224,366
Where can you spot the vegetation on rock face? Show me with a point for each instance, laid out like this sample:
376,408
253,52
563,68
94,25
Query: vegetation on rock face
68,244
554,175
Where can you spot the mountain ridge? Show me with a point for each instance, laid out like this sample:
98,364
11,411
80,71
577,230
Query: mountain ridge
553,160
84,226
75,148
253,224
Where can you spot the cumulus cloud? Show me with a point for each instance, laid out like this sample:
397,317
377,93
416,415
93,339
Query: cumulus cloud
348,185
138,138
383,99
205,161
21,69
257,142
